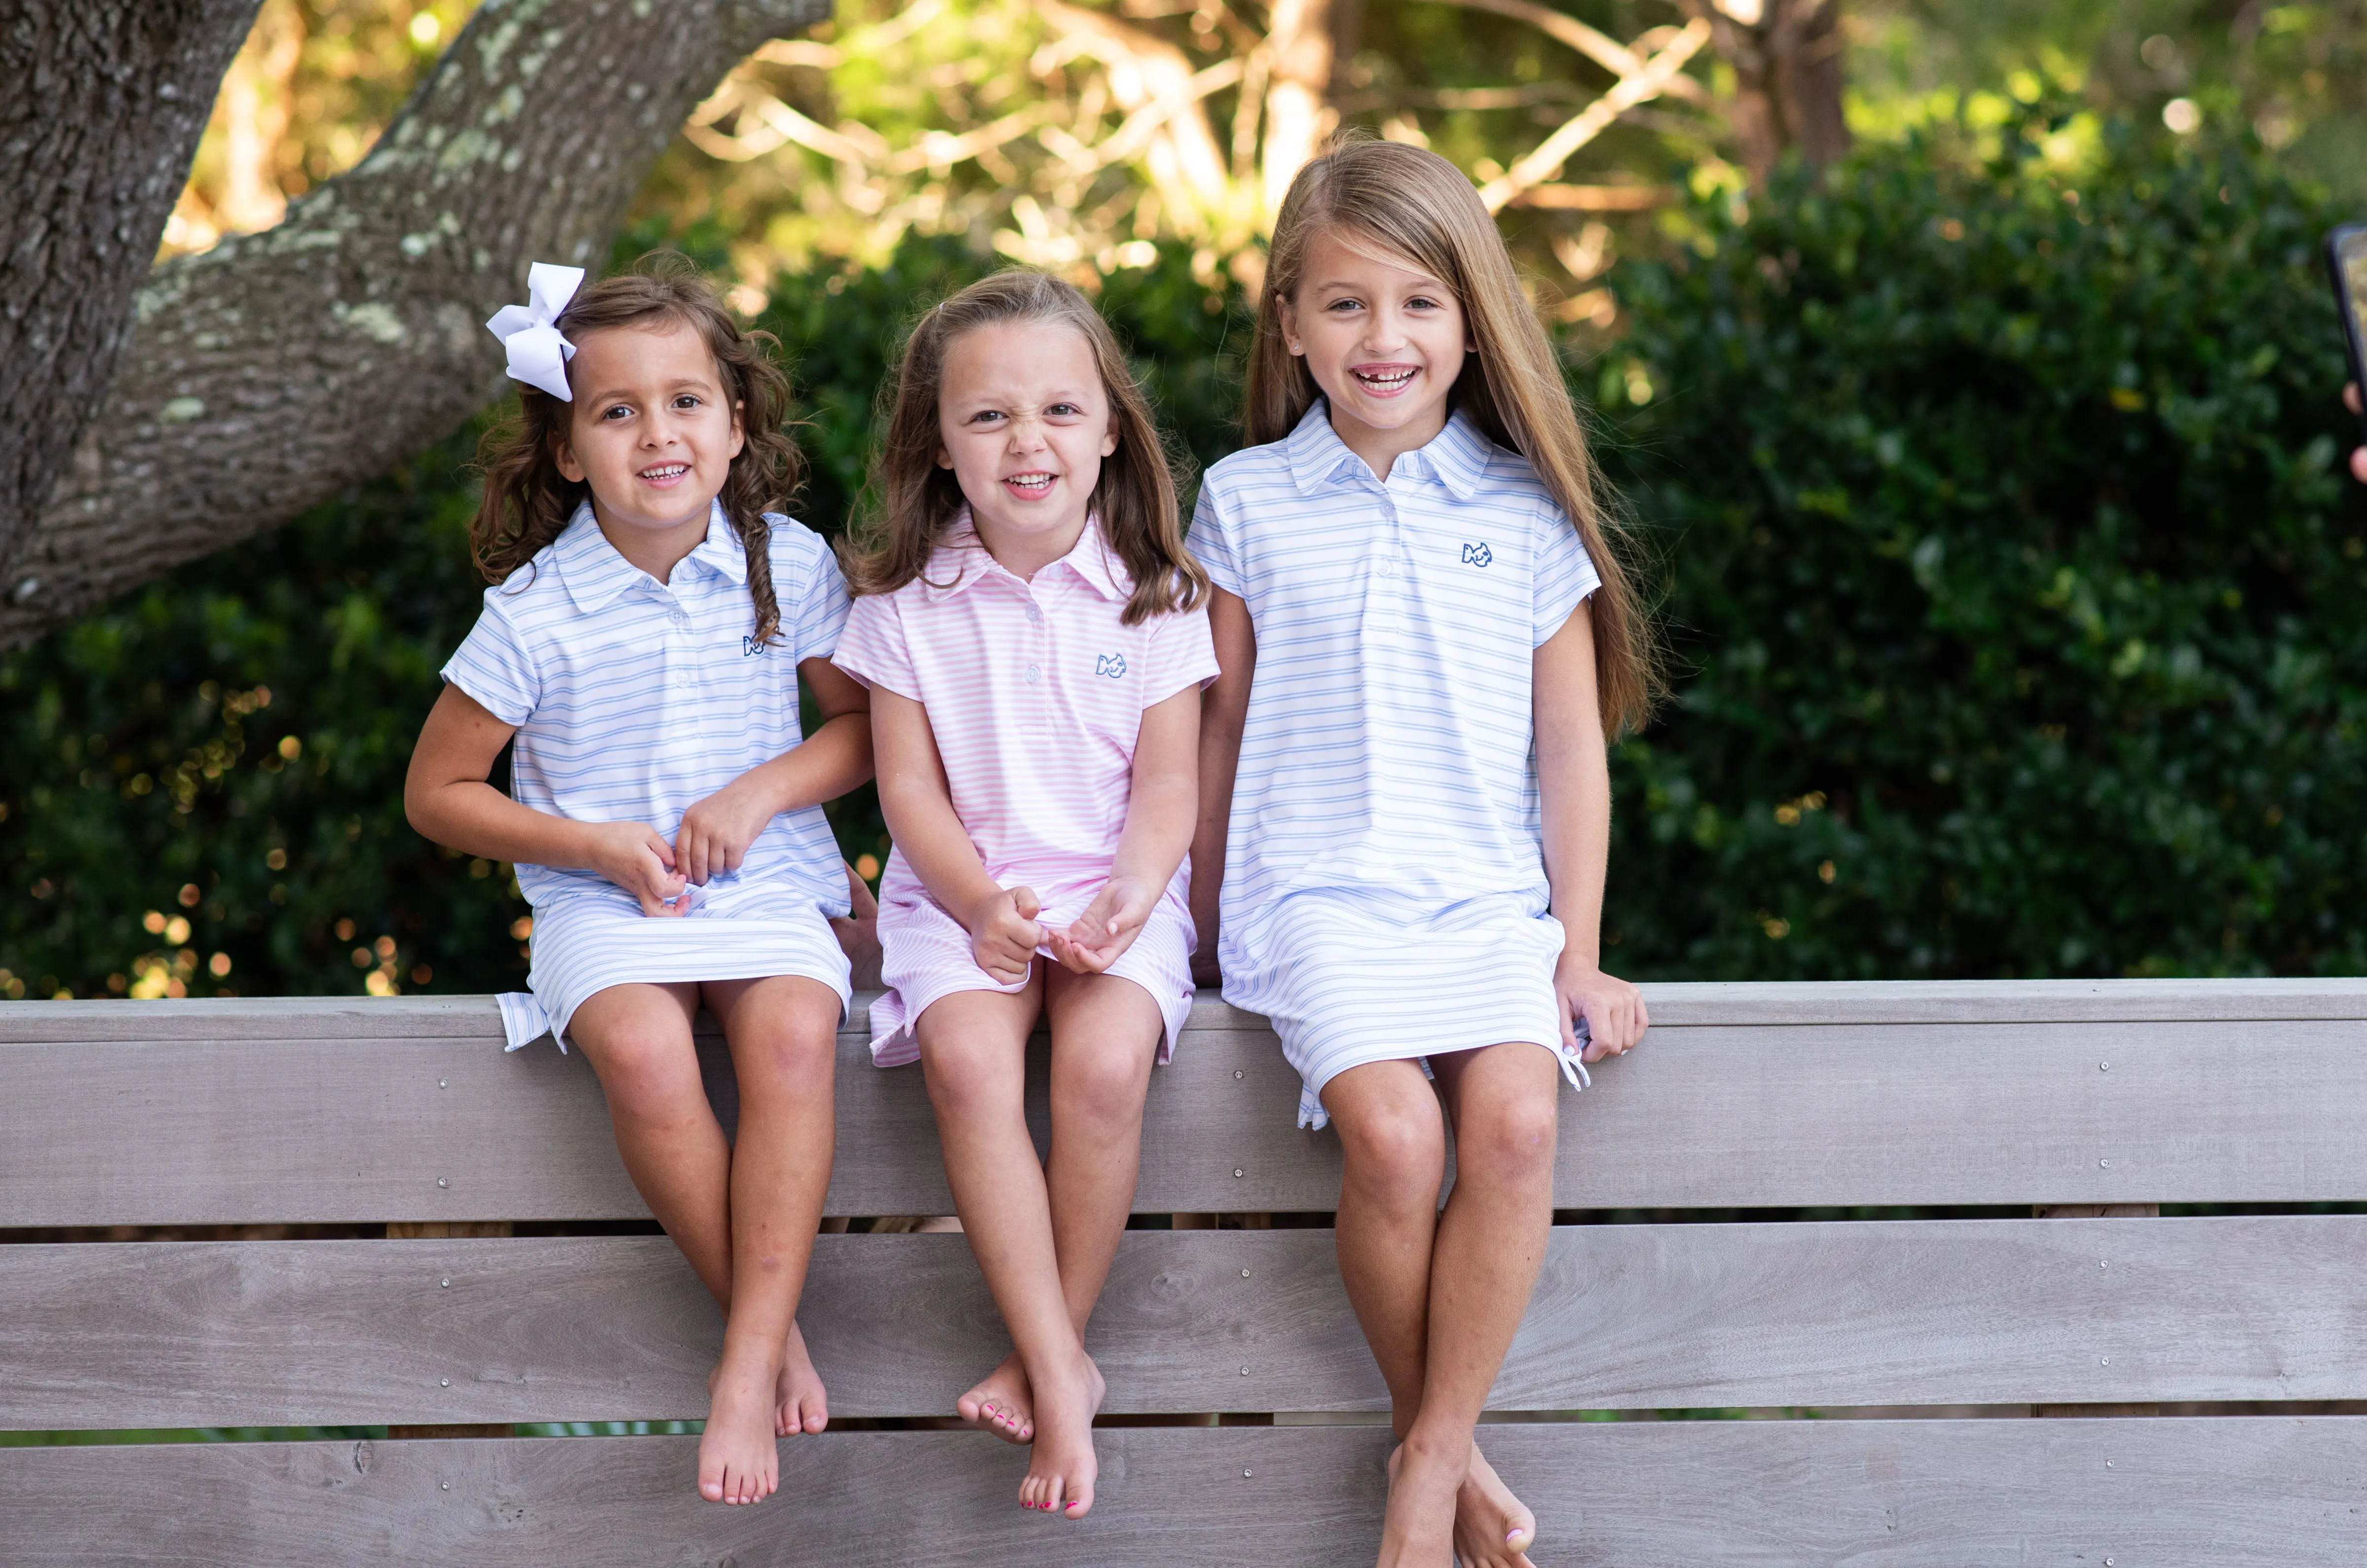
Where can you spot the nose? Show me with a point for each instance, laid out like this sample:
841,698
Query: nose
1026,434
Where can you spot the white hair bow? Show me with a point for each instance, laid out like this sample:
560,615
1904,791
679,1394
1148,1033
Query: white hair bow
538,355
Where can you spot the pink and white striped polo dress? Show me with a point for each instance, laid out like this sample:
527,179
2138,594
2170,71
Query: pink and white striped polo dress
1035,692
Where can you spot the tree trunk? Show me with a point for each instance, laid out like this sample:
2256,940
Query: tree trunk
1310,42
275,370
107,102
1786,56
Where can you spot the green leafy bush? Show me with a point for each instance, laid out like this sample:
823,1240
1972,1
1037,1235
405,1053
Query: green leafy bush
2009,564
2014,577
143,743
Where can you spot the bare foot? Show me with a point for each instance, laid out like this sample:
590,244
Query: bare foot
738,1460
800,1402
1418,1532
1060,1475
1493,1528
1000,1403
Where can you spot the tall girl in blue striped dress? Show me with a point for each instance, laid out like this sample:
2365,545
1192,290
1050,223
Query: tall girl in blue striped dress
1425,643
651,618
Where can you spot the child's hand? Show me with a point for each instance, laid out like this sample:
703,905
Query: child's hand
716,832
1109,926
1614,1010
1003,934
859,933
633,856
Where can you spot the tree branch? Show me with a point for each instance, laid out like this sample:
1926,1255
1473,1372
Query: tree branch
277,370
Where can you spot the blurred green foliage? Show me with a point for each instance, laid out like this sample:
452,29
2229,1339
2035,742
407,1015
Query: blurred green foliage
145,783
2006,556
2012,571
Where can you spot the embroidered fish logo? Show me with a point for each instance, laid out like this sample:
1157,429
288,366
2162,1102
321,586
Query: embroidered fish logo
1110,664
1478,555
750,646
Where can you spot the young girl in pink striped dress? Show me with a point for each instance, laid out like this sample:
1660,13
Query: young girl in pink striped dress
1035,639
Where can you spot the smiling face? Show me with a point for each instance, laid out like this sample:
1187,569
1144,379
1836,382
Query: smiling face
1384,342
1024,423
651,429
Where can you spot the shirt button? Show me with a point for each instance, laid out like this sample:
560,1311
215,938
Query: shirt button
1388,567
1035,614
1034,675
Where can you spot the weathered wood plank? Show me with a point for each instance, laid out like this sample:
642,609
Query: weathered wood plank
2247,1493
1725,1003
1625,1317
447,1127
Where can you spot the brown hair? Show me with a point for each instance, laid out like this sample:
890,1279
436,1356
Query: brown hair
911,499
528,502
1414,205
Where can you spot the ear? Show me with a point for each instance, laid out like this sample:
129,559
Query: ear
562,453
739,429
1109,441
944,458
1288,313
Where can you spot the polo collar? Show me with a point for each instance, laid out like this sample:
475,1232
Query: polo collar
961,559
596,573
1458,456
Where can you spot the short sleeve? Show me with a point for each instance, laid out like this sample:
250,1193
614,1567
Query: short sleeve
1183,653
1211,539
1563,575
491,664
872,648
816,621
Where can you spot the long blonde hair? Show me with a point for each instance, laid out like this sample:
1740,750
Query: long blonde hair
913,501
1411,204
528,502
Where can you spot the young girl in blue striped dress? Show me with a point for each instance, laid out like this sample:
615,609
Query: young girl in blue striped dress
651,618
1425,643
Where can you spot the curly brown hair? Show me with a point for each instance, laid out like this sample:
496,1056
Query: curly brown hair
528,502
911,501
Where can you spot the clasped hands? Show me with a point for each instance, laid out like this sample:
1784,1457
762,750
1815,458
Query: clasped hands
713,839
1005,934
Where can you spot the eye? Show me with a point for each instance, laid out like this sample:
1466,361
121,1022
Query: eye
688,400
1423,302
1345,305
617,411
1064,411
984,415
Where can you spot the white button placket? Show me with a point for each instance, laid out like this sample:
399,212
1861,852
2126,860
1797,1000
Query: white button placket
1039,661
1393,556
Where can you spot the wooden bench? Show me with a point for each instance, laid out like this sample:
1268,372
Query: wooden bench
2000,1097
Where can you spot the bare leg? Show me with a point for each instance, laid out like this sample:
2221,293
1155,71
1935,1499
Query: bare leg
1105,1033
973,1047
783,1037
1491,1241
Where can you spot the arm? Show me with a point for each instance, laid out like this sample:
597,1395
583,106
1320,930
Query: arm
717,832
919,807
448,801
1224,709
1162,799
1574,787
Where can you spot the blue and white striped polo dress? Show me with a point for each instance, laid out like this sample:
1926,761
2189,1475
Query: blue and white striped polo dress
634,700
1385,892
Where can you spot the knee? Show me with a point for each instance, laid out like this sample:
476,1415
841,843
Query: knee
787,1060
965,1082
1105,1091
1396,1153
1507,1143
649,1074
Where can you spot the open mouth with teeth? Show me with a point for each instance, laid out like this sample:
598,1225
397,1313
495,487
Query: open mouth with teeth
1384,380
1031,485
664,473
